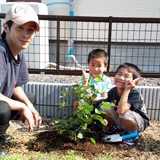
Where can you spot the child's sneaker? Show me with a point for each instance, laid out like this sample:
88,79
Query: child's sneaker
130,141
114,129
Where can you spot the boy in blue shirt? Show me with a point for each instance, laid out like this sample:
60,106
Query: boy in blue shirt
97,64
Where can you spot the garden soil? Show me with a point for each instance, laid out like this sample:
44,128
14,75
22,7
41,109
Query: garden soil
46,140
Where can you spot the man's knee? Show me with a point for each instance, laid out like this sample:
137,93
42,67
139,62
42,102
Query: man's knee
5,112
5,116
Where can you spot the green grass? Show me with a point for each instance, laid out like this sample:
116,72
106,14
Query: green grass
53,156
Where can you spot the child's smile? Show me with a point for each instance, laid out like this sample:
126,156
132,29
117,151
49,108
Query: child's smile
122,76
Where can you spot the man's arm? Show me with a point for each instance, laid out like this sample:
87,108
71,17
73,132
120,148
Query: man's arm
14,104
22,108
19,95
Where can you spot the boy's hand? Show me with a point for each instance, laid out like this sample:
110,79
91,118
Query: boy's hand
86,76
130,84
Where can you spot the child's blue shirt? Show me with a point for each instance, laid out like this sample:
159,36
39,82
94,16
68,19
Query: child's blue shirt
102,87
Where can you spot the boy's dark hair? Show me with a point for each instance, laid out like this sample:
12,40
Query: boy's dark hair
9,24
131,68
98,53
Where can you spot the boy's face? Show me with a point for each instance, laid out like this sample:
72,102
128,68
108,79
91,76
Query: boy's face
20,36
121,77
96,66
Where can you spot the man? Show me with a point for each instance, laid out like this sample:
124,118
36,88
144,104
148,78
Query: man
21,23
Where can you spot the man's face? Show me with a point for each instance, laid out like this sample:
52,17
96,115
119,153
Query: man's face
121,77
96,66
20,36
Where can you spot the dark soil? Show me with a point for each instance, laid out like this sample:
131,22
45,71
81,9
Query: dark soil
49,141
46,140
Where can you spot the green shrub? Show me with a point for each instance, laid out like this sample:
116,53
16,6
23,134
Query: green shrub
77,125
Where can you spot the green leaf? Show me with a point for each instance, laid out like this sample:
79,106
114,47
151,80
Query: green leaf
112,104
89,107
82,95
70,119
101,120
98,111
63,126
89,120
86,104
93,140
75,112
60,131
84,126
56,122
80,135
99,78
63,121
86,111
80,114
97,117
79,104
107,105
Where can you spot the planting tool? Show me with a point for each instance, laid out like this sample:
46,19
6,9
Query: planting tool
118,137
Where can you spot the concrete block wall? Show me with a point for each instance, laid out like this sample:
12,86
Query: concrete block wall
48,97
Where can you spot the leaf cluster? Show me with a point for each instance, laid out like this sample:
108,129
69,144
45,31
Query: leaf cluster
77,125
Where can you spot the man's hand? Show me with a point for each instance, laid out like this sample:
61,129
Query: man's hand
26,114
38,119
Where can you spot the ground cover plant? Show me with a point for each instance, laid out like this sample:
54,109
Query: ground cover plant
53,156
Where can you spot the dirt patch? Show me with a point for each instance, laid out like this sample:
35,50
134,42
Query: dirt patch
45,139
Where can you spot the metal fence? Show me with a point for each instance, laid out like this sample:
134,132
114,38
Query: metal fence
63,44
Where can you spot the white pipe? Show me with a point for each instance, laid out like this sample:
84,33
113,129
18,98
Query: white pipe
53,65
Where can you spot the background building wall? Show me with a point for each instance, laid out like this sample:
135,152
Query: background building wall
105,8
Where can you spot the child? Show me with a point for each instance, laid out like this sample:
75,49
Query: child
97,63
129,112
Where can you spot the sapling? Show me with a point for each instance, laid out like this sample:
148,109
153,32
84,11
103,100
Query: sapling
77,125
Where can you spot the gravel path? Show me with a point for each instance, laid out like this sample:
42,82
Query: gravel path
75,79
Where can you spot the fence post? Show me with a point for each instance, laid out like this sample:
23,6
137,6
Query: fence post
109,42
58,45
